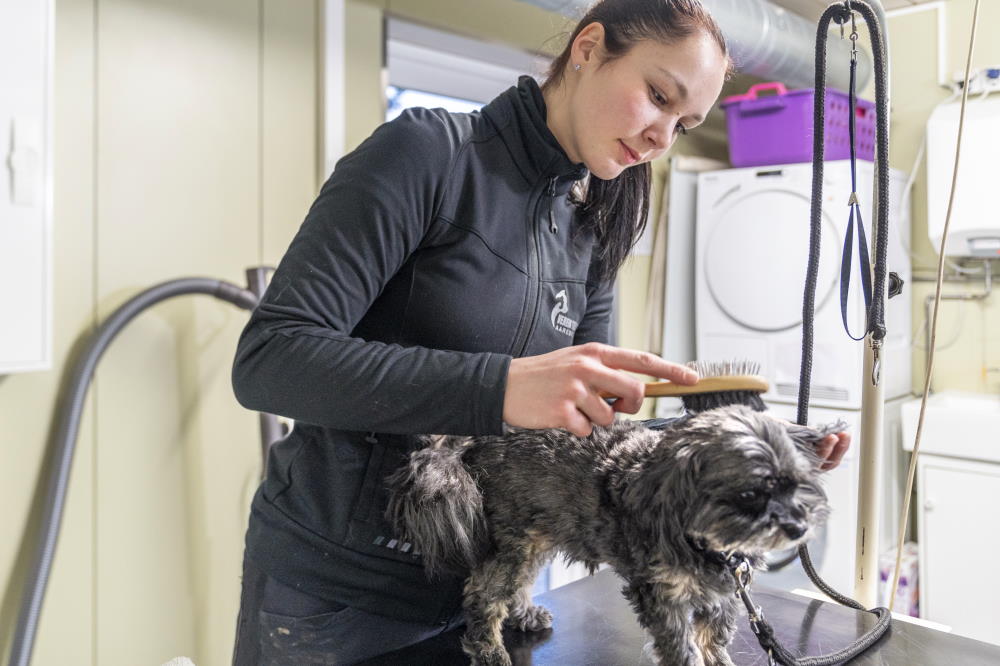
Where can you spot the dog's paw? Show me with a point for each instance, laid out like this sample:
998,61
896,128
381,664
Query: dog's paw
492,656
532,618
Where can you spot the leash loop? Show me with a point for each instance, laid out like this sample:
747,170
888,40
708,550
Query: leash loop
864,263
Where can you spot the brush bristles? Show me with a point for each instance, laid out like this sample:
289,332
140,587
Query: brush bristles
700,402
724,368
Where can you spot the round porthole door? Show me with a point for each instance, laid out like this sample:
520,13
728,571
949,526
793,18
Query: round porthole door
756,256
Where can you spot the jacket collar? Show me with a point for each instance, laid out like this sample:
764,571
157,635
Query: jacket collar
519,115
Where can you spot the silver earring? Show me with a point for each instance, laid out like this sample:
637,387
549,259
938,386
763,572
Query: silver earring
576,67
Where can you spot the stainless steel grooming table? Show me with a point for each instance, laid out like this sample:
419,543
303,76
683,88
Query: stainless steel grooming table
595,626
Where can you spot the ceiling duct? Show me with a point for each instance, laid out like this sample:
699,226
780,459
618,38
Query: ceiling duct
765,40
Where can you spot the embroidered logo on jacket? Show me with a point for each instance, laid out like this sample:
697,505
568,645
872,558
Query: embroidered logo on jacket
560,321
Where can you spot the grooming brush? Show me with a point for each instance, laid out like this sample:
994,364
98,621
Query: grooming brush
721,384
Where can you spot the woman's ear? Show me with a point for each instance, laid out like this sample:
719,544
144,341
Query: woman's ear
588,46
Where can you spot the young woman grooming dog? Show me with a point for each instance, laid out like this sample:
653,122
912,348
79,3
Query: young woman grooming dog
454,276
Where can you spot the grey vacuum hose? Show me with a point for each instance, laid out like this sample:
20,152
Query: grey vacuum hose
69,415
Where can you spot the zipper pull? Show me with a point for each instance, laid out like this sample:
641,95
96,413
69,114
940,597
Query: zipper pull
552,216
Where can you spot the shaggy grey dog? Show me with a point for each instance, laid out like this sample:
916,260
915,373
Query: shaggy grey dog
662,507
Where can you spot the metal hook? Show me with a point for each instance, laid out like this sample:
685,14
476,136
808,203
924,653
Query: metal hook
854,39
841,20
876,361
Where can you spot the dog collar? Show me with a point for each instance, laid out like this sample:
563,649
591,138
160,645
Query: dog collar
729,560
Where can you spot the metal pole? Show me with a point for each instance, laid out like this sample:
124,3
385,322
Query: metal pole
872,413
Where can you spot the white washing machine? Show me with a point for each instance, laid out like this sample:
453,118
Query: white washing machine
751,255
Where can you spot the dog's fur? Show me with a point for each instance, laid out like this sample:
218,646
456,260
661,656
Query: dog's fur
654,504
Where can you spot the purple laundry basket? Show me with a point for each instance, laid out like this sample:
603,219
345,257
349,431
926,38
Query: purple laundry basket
778,128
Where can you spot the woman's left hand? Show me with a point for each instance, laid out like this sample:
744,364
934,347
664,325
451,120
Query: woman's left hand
832,448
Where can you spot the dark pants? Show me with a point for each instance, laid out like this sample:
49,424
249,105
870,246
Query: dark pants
279,625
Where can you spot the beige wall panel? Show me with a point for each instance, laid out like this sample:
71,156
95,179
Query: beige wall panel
364,91
27,401
968,345
165,181
290,101
178,195
915,92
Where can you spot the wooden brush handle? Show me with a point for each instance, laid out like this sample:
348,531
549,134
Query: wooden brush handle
753,383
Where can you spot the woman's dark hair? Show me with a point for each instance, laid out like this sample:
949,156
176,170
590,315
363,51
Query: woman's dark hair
610,205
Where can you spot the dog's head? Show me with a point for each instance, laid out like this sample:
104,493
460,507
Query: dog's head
738,480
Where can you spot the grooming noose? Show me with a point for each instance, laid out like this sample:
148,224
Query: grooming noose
740,568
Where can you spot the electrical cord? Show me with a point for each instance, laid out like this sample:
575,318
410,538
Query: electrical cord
956,335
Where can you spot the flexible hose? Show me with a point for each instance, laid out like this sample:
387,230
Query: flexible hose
66,435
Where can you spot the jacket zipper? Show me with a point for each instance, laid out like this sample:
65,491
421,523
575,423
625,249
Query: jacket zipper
552,202
535,260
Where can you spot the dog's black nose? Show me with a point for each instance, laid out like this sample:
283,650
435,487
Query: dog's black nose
793,530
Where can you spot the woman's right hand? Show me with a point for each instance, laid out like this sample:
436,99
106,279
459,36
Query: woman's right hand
562,389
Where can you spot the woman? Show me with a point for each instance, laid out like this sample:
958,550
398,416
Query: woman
453,276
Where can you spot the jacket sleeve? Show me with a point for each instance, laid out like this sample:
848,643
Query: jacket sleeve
296,356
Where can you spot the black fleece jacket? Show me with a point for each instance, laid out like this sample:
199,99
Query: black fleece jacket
439,249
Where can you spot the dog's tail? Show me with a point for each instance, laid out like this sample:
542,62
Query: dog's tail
436,504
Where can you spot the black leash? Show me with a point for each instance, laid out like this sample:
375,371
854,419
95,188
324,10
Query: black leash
875,320
776,653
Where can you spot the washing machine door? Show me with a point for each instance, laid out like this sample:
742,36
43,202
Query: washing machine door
757,253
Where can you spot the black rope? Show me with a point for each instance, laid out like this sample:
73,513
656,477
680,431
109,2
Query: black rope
881,232
768,641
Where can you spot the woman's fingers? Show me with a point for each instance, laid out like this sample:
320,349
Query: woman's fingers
628,391
597,410
833,448
643,363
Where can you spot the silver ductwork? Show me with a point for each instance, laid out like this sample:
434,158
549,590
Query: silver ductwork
765,40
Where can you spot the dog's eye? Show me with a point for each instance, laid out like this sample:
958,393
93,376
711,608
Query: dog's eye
750,495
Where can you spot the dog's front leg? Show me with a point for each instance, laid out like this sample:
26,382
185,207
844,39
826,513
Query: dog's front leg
714,627
666,619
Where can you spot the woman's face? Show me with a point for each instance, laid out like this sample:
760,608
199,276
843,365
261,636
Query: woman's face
629,110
